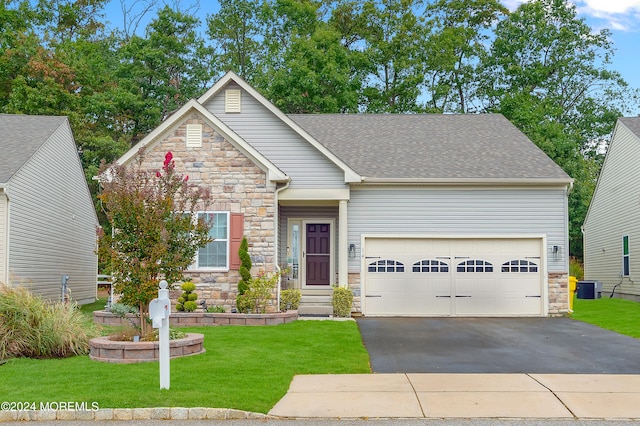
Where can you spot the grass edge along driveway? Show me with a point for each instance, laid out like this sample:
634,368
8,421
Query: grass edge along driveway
244,367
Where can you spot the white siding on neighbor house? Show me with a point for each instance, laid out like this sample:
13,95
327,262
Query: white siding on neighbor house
4,212
460,211
53,222
307,167
613,213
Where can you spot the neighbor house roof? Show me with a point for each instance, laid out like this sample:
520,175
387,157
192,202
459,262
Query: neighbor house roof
20,137
632,123
431,147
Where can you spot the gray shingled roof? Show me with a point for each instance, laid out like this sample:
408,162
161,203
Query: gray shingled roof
633,123
431,146
20,137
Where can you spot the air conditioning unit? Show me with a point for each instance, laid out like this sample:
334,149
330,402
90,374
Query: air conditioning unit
589,290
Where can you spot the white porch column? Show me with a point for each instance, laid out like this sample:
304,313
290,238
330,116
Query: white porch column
343,245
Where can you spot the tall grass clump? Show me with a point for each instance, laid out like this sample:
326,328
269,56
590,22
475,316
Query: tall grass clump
34,328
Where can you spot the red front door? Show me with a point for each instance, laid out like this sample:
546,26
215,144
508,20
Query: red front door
318,253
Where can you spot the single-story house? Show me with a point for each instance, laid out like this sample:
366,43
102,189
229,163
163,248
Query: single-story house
418,214
611,229
47,218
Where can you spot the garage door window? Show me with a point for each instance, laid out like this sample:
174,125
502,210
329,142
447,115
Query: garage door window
430,265
519,265
475,265
386,266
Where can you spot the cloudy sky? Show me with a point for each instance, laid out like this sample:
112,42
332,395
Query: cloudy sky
622,18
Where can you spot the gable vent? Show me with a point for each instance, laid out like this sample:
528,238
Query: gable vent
232,100
194,135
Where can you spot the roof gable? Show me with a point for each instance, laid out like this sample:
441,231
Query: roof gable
432,147
623,151
273,173
349,174
20,137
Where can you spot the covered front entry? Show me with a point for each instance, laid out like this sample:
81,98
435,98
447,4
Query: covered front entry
454,277
311,253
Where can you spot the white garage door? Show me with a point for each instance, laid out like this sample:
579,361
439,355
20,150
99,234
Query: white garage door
442,277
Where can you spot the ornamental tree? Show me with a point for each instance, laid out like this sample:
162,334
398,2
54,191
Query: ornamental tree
154,233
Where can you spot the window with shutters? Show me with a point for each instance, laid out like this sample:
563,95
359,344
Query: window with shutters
221,254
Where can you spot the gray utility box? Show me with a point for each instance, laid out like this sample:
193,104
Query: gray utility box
589,290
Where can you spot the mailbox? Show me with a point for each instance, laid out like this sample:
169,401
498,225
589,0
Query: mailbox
159,309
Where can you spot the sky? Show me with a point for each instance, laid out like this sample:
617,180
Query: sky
621,17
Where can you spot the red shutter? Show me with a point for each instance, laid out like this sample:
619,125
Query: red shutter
235,238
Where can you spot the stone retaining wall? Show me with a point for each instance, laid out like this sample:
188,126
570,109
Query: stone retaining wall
204,318
107,350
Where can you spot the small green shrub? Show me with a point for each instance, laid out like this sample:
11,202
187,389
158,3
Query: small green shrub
31,327
260,291
290,299
187,297
188,287
190,306
576,268
342,302
216,309
242,303
245,304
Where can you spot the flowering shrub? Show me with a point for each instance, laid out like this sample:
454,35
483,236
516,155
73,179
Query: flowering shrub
154,235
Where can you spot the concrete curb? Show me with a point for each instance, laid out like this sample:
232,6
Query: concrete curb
161,413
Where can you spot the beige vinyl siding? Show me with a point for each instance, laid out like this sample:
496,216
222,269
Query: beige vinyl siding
614,213
461,211
53,223
307,167
4,214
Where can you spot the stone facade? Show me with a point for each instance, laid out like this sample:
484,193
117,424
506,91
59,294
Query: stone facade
237,185
558,293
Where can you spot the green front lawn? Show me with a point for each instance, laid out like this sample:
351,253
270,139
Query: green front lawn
246,368
622,316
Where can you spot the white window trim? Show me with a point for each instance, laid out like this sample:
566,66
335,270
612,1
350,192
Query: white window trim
195,266
626,256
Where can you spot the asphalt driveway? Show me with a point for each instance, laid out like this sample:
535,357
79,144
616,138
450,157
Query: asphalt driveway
496,345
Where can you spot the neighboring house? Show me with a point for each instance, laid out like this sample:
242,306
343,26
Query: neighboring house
420,215
47,218
612,225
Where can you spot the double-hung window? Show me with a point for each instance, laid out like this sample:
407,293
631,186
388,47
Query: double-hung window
215,255
625,256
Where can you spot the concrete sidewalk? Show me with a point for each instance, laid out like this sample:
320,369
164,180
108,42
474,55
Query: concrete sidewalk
584,396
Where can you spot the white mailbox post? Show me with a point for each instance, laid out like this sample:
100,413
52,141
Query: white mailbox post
159,311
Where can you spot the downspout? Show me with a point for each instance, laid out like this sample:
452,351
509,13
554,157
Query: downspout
276,218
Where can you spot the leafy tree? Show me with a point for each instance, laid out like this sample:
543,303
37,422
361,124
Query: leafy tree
460,31
235,30
395,43
163,70
547,72
154,235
